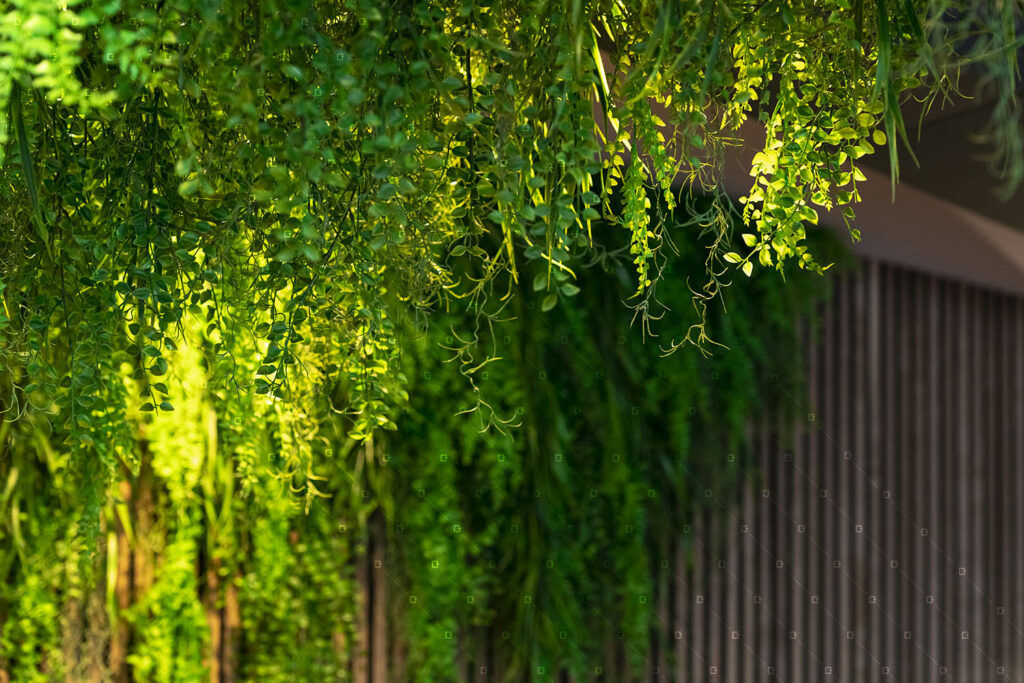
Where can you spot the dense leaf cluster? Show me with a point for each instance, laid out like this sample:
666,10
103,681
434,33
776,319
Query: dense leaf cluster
296,171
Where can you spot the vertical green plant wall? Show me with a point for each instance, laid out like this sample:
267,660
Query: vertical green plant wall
525,493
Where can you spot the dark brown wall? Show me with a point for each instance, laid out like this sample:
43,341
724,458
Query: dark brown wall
886,541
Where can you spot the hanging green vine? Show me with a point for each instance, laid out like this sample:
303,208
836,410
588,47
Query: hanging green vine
300,170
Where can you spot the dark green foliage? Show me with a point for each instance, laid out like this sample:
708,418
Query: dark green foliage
556,529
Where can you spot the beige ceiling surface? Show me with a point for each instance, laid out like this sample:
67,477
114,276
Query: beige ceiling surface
944,221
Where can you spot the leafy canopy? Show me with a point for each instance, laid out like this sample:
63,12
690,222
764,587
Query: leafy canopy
298,174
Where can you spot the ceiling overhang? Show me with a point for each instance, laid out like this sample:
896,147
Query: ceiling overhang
920,226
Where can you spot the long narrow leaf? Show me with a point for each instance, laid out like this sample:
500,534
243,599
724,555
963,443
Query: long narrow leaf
27,168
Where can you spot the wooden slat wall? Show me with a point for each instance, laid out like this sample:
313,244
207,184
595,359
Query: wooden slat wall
885,540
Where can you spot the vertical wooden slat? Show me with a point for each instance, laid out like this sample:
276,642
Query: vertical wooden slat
93,654
933,467
841,484
1009,496
947,607
873,529
1009,564
962,617
232,633
783,568
1017,456
143,512
975,485
823,519
903,493
811,598
1003,512
1008,381
734,594
918,473
123,593
662,637
682,634
397,643
379,622
989,596
797,520
609,667
714,599
748,627
766,574
978,572
859,471
697,611
891,600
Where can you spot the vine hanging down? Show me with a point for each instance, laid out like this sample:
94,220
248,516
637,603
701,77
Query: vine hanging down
298,175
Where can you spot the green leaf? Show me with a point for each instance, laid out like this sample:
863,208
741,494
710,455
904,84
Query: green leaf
27,167
549,302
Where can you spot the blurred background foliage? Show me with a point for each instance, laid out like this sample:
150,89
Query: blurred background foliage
525,503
